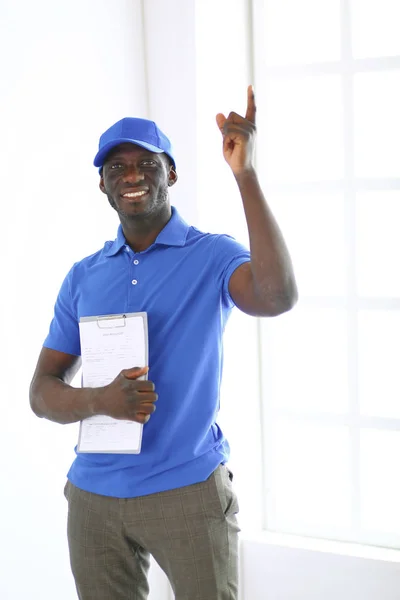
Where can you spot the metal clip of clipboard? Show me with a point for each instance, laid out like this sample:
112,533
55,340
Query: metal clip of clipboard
111,318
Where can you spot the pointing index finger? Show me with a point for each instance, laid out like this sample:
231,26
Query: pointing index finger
251,105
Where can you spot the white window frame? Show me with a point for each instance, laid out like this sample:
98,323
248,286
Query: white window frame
349,185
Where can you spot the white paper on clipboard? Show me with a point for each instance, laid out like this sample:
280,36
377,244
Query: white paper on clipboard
109,344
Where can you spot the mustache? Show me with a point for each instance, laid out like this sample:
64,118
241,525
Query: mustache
159,200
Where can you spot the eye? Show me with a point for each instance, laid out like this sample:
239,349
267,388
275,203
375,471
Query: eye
149,163
116,165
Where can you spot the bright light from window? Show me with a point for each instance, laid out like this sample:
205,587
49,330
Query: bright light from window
298,32
375,28
301,126
377,124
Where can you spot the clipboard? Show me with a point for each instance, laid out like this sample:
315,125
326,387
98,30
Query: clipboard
110,343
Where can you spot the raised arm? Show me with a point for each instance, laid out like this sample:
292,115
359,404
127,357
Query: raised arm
265,286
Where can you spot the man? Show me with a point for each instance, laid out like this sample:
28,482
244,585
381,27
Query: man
174,500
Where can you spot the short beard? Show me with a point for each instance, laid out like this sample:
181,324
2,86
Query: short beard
160,202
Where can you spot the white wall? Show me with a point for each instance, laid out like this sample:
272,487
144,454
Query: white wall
170,52
281,570
68,71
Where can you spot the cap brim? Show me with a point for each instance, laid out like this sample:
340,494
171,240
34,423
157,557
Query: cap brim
101,155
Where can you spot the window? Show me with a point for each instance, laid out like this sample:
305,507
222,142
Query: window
327,79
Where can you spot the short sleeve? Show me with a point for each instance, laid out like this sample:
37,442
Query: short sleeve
228,256
64,328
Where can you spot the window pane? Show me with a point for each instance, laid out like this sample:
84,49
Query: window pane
311,476
375,25
380,483
305,360
379,352
378,243
301,129
291,36
318,251
377,124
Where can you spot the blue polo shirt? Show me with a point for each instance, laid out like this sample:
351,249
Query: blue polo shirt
181,282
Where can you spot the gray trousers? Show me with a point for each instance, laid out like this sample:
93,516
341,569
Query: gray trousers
192,533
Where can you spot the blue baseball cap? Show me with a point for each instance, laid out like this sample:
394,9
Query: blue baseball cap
141,132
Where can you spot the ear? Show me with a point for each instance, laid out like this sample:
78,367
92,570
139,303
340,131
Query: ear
101,184
172,176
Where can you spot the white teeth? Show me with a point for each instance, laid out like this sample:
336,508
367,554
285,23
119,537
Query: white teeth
134,194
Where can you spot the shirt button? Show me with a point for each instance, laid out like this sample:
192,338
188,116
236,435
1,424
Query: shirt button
135,262
134,281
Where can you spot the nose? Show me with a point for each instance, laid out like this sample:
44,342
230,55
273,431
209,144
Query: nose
132,174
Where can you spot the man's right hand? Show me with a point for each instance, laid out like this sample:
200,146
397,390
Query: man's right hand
127,397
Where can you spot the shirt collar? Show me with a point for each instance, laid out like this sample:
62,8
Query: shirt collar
173,234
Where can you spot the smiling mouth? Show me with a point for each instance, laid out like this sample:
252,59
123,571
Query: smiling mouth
138,194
